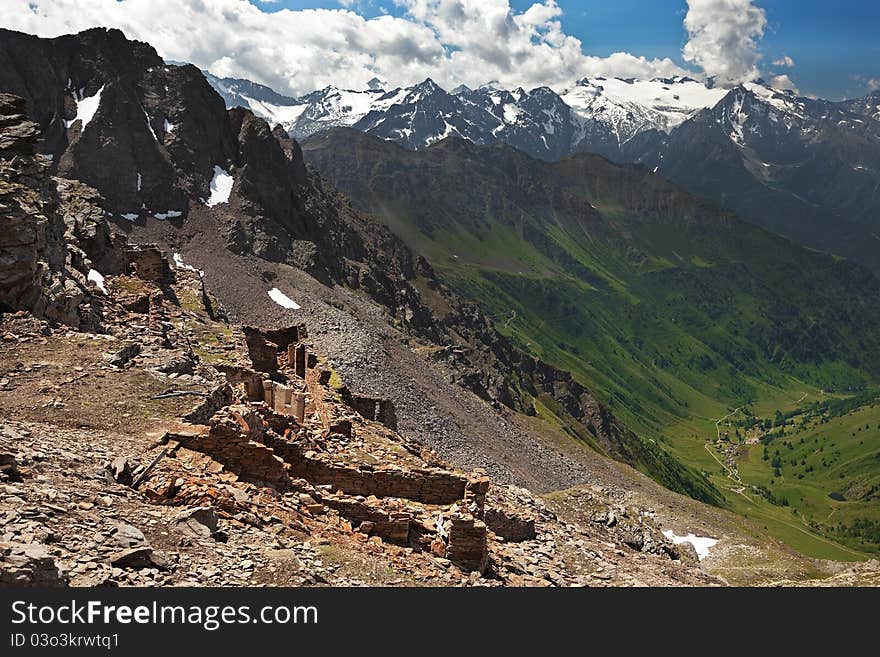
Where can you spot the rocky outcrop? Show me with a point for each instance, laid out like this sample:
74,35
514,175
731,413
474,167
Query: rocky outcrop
28,565
36,271
156,134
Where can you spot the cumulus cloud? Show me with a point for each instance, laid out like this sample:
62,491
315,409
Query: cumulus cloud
724,38
873,84
783,83
785,61
451,41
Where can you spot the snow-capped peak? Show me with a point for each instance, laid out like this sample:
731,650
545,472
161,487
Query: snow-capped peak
629,106
376,84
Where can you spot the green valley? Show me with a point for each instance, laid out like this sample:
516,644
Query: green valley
674,312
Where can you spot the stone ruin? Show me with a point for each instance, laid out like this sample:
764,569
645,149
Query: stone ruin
375,408
280,423
149,263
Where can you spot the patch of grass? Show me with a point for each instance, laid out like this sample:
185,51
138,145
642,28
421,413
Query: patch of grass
336,382
129,284
189,299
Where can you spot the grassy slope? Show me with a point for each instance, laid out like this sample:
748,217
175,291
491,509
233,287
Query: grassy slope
828,471
671,312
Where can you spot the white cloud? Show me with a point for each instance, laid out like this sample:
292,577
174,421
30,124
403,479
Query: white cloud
723,38
785,61
873,84
451,41
783,83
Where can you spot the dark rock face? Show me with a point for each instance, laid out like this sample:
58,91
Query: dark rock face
156,132
35,262
428,114
151,147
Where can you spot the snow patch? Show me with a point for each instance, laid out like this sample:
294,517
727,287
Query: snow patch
702,544
139,181
86,106
170,214
630,106
282,299
131,216
150,126
286,115
777,100
511,113
180,264
96,278
221,187
169,127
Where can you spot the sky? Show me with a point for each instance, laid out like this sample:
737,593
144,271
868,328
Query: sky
825,48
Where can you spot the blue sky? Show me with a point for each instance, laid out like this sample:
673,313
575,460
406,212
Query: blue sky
827,48
835,45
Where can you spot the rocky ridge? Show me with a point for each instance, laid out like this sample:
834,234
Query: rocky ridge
802,167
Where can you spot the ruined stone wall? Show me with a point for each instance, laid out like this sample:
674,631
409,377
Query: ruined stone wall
147,262
467,543
251,382
426,485
218,398
262,351
228,443
393,526
509,525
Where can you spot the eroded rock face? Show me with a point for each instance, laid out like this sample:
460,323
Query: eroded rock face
154,137
34,271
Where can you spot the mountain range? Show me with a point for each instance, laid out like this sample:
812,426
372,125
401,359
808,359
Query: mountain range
805,168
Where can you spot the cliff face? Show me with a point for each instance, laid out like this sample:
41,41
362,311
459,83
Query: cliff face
36,270
115,117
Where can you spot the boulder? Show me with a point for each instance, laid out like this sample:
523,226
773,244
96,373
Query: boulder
137,558
28,565
200,522
128,535
121,470
121,357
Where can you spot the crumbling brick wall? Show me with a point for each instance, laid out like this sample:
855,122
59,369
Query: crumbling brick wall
147,262
426,485
377,409
229,441
393,526
251,382
509,525
218,398
467,543
262,351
